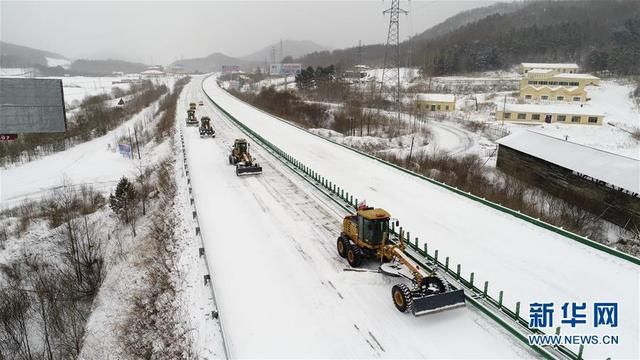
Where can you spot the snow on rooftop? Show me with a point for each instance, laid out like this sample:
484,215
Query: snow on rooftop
614,169
550,65
152,71
563,109
436,97
540,71
576,76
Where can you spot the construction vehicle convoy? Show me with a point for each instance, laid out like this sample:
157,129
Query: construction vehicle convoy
191,118
205,127
242,159
365,235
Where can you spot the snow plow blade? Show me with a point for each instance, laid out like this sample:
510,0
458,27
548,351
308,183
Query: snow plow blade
437,302
248,169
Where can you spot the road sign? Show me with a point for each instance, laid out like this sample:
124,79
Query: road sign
230,68
125,150
285,69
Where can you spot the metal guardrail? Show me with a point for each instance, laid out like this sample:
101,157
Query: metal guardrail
198,233
479,298
558,230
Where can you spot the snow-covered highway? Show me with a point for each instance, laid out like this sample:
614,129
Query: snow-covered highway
529,263
281,288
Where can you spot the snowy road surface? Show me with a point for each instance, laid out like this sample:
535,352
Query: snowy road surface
529,263
280,285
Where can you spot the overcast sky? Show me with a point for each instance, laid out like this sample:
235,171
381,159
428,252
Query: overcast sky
161,32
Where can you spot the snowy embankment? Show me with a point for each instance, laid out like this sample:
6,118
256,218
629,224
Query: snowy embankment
281,287
96,163
529,263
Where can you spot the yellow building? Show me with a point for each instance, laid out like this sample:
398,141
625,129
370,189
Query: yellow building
435,102
557,113
552,85
543,77
570,68
553,93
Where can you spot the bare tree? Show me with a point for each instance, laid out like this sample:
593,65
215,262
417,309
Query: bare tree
145,187
15,309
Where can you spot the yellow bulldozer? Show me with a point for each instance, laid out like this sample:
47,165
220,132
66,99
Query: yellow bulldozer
365,235
242,159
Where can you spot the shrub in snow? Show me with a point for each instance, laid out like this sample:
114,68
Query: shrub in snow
124,202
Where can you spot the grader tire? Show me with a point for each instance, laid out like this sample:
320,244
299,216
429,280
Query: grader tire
402,297
354,255
342,245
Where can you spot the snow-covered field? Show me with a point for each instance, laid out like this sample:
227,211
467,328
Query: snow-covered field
75,88
529,263
53,62
95,162
280,284
621,116
406,75
611,98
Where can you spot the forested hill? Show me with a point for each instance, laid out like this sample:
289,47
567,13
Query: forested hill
596,34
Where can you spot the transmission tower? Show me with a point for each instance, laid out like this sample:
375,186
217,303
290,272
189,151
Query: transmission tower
359,53
390,87
281,55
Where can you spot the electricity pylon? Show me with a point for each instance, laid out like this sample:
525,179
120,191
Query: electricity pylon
390,87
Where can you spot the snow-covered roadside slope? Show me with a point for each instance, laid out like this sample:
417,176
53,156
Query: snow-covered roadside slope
94,162
281,287
529,263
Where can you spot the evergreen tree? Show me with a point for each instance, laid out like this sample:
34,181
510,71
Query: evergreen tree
124,202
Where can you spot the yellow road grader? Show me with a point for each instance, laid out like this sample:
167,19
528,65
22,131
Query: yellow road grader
191,120
206,130
242,159
365,235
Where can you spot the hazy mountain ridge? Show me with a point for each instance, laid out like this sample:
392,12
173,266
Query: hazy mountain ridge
293,48
12,55
214,62
106,67
209,63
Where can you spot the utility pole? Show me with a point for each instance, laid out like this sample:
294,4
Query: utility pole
391,70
